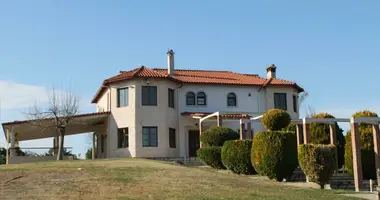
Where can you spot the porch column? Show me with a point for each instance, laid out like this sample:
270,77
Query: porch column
356,155
249,134
298,132
200,133
306,132
219,120
55,145
376,147
93,145
13,143
242,129
333,141
7,150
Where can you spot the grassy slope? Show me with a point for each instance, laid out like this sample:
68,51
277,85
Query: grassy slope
139,179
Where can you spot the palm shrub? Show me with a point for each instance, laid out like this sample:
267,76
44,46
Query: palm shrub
366,147
317,162
211,156
320,134
236,156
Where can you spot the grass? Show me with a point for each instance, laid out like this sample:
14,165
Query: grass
134,179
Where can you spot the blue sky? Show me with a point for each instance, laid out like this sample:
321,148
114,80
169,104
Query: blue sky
331,48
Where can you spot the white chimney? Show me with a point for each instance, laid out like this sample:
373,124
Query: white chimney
170,61
271,71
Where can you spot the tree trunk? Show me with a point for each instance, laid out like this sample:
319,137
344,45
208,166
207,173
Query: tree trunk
62,132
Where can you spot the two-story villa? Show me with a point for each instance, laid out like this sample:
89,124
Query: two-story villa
156,112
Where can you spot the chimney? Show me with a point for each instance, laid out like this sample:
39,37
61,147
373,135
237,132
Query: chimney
271,71
170,61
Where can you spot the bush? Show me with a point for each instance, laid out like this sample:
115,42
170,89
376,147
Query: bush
365,113
317,162
236,156
275,119
367,153
218,135
274,154
320,134
211,156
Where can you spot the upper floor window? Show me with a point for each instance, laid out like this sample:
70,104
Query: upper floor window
280,101
201,98
171,98
231,99
295,102
190,98
149,95
122,97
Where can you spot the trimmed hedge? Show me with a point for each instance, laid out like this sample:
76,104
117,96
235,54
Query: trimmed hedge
317,162
275,119
218,135
274,154
211,156
236,156
320,134
367,153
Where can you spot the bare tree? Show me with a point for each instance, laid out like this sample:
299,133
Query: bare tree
310,111
59,113
302,98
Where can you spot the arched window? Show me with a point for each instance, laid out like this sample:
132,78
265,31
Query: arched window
231,99
190,98
201,98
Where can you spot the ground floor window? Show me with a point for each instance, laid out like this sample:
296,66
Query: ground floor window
149,136
122,138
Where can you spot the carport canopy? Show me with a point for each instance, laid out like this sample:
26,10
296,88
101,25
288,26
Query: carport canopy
39,129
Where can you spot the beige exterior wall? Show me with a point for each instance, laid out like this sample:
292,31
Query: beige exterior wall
289,99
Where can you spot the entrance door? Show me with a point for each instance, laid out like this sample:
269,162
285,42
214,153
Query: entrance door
194,143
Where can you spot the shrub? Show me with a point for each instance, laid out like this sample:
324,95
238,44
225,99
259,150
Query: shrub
364,113
236,156
317,162
218,135
275,119
320,134
367,153
211,156
274,154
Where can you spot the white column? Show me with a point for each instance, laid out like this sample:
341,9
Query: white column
13,143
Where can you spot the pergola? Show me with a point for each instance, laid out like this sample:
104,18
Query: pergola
304,125
17,131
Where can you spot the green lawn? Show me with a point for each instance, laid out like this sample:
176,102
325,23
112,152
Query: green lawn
127,179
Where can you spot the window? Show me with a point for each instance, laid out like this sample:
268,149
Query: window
171,98
122,138
122,97
172,141
280,101
201,98
190,98
231,99
295,102
149,95
150,136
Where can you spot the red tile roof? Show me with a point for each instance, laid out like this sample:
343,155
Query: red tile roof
225,116
195,77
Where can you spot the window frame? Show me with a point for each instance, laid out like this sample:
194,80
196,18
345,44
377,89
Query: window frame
295,103
231,98
171,98
193,103
150,136
149,101
204,98
124,136
277,96
125,97
172,138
